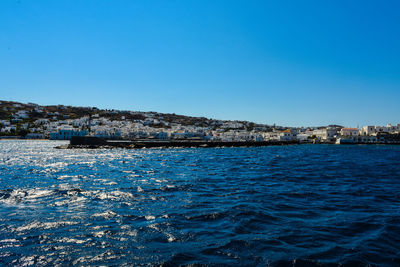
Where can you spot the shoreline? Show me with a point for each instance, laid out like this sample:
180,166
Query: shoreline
91,142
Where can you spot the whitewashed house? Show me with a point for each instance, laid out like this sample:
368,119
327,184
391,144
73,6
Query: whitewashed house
272,136
393,128
67,134
374,130
287,135
368,130
325,134
349,132
302,137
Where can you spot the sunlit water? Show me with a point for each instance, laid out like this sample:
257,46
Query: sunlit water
279,205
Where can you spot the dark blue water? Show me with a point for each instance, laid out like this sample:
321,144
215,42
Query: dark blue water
308,205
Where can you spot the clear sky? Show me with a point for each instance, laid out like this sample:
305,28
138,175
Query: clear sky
293,63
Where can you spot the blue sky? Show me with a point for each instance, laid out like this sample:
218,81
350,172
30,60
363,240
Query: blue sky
293,63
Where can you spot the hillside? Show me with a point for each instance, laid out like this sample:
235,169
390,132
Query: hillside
19,114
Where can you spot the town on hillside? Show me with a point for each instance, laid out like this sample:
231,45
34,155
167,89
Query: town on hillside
59,122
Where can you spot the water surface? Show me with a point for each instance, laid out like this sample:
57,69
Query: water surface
281,205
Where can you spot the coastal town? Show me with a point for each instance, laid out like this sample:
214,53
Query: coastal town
59,122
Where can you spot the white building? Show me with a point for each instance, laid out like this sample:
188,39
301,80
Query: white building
159,135
287,135
348,132
302,137
66,134
232,125
367,139
41,121
368,130
325,134
272,136
393,128
374,130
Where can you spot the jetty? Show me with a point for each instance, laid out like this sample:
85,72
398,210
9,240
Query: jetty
97,142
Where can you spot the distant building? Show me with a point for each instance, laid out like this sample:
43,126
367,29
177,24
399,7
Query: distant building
368,130
137,135
393,128
66,134
349,132
272,136
287,135
360,139
374,130
302,137
325,134
159,135
21,114
367,139
34,136
107,133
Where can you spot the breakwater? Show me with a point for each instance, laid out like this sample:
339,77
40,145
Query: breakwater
96,142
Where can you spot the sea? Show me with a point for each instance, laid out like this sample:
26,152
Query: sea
295,205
